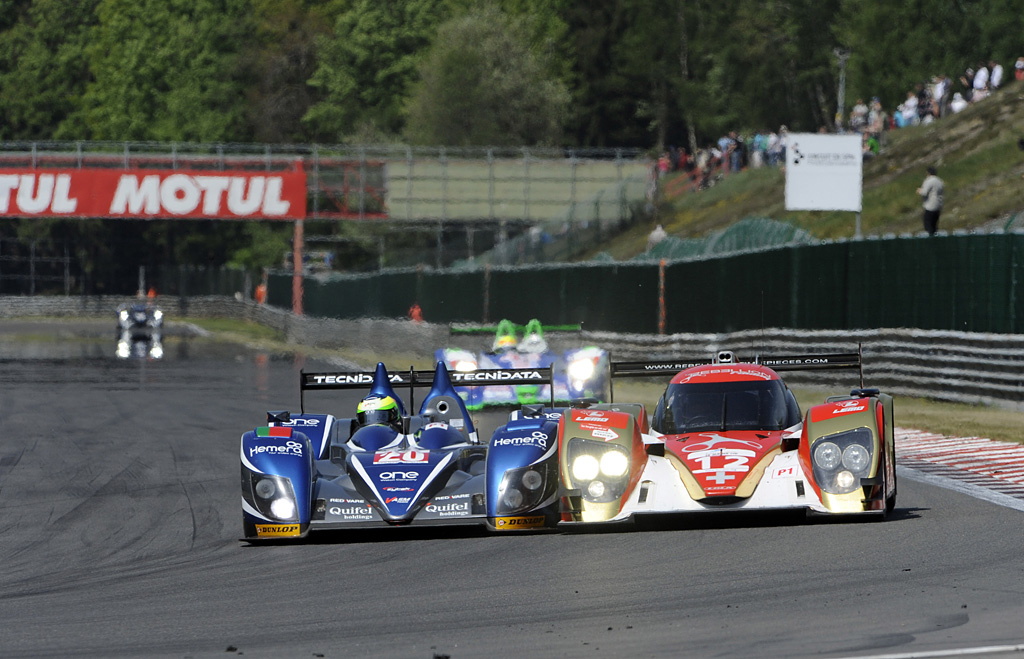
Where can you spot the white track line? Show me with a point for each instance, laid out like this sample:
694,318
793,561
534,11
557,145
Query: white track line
962,652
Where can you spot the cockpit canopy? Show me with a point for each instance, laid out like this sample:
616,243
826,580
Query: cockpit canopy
724,406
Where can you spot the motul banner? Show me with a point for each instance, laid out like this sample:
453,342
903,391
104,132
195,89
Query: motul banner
146,193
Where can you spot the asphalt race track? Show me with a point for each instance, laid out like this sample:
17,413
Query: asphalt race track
120,518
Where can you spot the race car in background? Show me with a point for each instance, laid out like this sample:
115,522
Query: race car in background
140,318
581,372
140,331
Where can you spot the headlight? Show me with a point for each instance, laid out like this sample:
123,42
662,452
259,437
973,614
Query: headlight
841,460
856,458
585,467
464,366
158,315
827,455
614,463
599,470
581,369
124,314
265,488
272,496
283,509
532,480
527,488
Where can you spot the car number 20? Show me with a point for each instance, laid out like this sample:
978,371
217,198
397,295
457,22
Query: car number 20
400,457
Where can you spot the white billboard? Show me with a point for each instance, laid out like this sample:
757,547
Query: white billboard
824,172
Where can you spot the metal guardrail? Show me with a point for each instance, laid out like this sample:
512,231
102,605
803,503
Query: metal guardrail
962,367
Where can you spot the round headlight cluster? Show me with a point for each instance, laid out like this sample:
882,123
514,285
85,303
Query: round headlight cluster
527,487
532,480
856,457
513,498
614,463
283,508
842,460
600,470
585,467
827,455
265,488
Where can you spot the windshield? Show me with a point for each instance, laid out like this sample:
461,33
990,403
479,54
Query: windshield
723,406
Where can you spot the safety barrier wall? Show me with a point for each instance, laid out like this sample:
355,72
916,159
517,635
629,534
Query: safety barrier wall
967,367
954,282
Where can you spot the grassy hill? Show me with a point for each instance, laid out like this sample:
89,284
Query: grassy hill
975,152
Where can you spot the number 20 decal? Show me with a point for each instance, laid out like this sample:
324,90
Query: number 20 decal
400,457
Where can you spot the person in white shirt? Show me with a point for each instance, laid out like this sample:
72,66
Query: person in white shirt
980,84
996,78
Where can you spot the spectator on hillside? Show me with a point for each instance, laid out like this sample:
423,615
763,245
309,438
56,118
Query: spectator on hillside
759,149
925,106
735,152
859,117
995,79
877,118
967,81
958,104
980,84
870,145
774,149
908,110
656,237
940,95
664,164
1018,69
931,192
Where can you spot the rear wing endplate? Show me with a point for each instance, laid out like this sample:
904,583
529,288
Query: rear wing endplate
414,379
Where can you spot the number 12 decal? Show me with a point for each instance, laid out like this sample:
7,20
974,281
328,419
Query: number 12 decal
400,457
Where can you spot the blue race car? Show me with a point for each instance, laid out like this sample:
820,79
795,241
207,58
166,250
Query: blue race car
310,472
581,372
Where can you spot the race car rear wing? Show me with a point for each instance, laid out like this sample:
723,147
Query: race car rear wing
414,379
776,363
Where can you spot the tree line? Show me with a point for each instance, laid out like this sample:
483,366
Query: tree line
583,73
470,72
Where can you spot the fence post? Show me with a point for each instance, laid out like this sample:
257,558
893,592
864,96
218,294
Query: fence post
661,297
526,184
487,293
408,183
444,184
362,183
490,184
297,269
572,185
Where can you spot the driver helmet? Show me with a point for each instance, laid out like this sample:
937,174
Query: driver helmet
505,337
377,411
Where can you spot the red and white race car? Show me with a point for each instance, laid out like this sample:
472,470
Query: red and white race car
729,435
